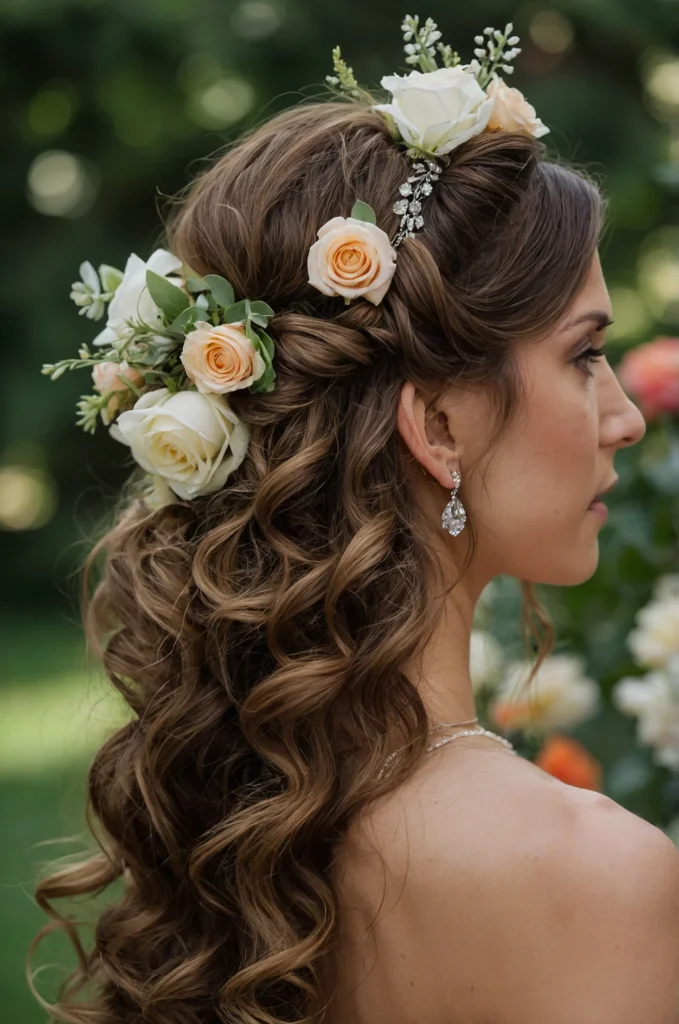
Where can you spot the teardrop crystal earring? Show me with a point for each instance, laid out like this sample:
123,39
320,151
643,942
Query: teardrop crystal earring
454,514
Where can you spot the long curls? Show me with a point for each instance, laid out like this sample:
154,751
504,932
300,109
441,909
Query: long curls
257,634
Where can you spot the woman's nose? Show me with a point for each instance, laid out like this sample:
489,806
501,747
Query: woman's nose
623,423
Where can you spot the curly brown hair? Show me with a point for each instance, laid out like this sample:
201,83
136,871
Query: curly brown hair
258,634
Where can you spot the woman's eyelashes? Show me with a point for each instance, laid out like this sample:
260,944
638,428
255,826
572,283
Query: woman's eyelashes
588,356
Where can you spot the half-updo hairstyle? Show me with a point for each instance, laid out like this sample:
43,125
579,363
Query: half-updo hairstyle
258,633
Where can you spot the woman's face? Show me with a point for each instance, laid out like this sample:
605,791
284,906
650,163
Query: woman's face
529,497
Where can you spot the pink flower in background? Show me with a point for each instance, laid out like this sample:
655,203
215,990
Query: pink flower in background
650,373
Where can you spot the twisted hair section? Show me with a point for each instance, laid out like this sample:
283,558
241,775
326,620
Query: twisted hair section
258,634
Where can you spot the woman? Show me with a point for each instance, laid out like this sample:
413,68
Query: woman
304,820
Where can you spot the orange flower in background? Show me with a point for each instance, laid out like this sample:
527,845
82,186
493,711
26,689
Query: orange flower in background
566,759
650,373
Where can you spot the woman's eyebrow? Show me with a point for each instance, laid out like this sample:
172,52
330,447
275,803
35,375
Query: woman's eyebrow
597,316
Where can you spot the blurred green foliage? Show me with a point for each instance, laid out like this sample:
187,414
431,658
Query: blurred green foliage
109,106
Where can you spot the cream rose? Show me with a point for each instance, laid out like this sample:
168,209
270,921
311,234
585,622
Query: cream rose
512,111
192,441
108,376
436,111
220,359
352,258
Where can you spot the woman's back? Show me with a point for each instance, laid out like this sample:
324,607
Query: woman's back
468,896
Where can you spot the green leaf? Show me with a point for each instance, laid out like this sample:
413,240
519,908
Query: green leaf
238,311
186,318
265,383
261,321
194,282
167,297
261,309
362,211
220,288
267,343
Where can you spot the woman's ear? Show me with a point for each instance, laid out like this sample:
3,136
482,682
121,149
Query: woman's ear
428,440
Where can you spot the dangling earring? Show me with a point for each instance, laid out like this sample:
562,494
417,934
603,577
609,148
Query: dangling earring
454,514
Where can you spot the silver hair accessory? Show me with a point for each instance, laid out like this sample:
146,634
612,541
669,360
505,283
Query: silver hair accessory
454,514
414,191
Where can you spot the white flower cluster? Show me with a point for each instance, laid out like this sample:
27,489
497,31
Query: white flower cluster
174,344
560,697
654,698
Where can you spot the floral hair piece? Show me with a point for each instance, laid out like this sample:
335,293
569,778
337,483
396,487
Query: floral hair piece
173,346
432,111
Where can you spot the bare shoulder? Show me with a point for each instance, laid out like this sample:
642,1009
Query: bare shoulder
513,897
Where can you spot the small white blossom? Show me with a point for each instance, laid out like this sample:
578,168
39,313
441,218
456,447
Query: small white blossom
513,41
87,293
479,39
656,635
654,700
485,660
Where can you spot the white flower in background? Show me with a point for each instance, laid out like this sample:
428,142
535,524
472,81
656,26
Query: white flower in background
87,293
654,699
191,441
91,294
656,636
436,111
561,695
485,659
132,299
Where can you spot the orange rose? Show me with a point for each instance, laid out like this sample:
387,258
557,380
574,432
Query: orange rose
566,759
352,258
650,372
108,376
512,112
220,359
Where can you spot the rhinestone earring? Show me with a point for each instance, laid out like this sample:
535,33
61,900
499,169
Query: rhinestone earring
454,514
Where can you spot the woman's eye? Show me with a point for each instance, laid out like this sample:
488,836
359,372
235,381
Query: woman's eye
588,356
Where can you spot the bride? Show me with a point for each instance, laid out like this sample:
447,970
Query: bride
360,382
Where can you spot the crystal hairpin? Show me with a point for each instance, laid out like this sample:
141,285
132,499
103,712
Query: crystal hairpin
414,191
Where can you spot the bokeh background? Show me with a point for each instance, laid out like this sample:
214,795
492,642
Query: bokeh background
109,106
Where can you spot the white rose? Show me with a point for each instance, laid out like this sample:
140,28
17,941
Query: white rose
438,110
192,441
132,299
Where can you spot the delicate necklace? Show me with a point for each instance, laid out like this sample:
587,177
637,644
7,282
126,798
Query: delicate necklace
480,731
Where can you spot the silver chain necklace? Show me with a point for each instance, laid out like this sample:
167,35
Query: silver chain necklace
480,731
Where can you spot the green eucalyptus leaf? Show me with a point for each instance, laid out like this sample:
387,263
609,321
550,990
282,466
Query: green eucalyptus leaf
195,283
267,344
237,312
265,383
220,288
261,321
186,318
362,211
167,297
261,309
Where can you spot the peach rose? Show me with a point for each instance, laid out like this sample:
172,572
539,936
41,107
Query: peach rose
650,373
220,359
108,376
512,112
352,258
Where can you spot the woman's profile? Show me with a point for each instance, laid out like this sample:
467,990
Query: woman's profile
363,376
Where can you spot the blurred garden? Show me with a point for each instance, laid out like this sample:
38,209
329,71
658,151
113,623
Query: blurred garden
108,108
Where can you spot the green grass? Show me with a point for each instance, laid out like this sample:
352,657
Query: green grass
54,714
